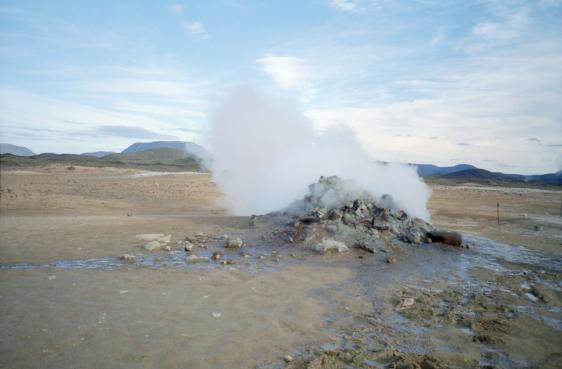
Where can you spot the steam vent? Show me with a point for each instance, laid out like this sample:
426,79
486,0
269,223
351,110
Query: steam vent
337,210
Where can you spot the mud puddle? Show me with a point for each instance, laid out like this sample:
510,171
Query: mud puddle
491,306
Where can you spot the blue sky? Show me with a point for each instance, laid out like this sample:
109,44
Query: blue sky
418,81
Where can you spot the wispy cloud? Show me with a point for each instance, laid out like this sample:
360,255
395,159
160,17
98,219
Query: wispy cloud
196,29
133,132
345,5
177,8
288,72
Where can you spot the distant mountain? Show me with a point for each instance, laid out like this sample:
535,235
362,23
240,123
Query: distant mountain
480,175
15,150
156,159
188,147
98,154
429,170
155,156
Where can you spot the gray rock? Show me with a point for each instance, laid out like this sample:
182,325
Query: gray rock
154,237
234,243
152,246
188,246
192,259
128,258
331,246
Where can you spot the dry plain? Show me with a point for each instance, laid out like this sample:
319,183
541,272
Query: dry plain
80,314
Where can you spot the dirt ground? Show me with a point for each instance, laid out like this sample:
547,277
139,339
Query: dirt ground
473,208
253,313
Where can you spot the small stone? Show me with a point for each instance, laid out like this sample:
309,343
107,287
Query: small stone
228,262
288,358
408,301
216,255
234,243
52,277
538,228
152,246
216,315
531,297
391,260
262,257
167,248
165,239
244,254
331,246
188,246
128,258
192,259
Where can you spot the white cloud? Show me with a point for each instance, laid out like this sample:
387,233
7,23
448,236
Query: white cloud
287,71
178,8
510,26
345,5
197,30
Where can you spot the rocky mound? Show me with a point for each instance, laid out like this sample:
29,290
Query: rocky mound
335,209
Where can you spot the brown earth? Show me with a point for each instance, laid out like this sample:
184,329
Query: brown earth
237,316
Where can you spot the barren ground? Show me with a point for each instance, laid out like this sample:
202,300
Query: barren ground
255,312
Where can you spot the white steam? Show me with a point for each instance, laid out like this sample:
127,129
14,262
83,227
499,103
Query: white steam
266,153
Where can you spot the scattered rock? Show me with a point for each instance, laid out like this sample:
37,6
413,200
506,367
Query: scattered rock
128,258
288,358
155,237
192,259
52,277
152,246
391,260
234,243
167,248
408,301
331,246
538,228
228,262
188,246
216,255
216,315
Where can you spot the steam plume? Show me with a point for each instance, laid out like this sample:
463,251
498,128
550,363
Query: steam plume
266,153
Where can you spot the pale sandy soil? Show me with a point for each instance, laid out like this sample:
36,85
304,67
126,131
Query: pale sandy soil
473,208
143,317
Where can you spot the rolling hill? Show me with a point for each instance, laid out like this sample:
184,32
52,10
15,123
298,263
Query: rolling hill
15,150
426,170
99,154
157,159
188,147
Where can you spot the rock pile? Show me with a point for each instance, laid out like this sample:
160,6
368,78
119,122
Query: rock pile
335,210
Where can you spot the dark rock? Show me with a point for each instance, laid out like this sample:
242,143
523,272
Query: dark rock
446,237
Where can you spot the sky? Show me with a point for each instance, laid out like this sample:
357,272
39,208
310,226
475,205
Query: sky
422,81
